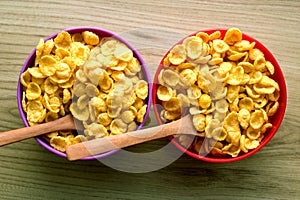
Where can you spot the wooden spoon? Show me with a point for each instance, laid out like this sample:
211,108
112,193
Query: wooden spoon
100,145
65,123
109,143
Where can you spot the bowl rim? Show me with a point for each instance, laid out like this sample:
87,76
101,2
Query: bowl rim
97,31
270,133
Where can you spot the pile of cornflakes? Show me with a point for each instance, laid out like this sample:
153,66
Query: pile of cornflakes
225,84
98,80
110,93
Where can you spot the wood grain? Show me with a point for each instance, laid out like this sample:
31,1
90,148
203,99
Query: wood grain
27,171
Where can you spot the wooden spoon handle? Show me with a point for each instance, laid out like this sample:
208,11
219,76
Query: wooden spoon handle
109,143
12,136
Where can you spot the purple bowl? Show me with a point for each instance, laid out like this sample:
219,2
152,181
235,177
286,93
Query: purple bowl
101,33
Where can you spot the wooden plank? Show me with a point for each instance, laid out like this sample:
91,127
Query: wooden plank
27,171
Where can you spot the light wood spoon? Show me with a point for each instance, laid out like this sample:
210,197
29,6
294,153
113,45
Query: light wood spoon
65,123
109,143
100,145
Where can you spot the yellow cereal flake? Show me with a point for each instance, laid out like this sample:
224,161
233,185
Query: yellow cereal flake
82,115
273,109
39,48
59,143
270,67
53,134
224,68
172,105
246,103
211,126
114,99
194,48
231,123
98,104
255,77
164,93
247,66
232,36
25,78
108,47
35,111
204,36
91,90
105,82
52,103
260,63
237,75
205,101
232,92
215,35
232,150
170,77
128,116
48,46
141,114
50,87
122,52
62,53
90,38
251,144
199,122
95,130
132,126
194,92
47,65
171,115
120,67
257,119
133,66
237,56
63,40
177,55
220,46
77,37
219,134
183,100
268,82
255,53
251,93
141,89
79,53
221,106
261,89
244,118
117,126
33,91
188,76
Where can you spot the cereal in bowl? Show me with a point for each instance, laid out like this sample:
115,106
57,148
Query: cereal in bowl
225,84
97,80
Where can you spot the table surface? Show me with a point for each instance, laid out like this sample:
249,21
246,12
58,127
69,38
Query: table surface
28,171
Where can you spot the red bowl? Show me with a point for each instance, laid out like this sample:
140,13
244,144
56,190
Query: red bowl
275,120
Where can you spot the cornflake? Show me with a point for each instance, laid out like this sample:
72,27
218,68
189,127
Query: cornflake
225,84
